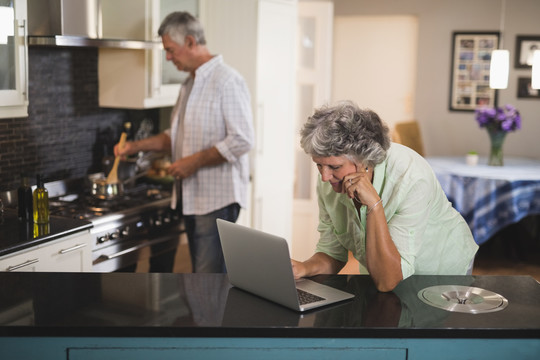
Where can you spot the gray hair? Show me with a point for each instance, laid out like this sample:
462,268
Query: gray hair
345,129
180,24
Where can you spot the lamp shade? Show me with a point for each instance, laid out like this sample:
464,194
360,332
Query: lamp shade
535,81
498,70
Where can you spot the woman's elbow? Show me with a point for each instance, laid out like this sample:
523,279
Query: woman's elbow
386,286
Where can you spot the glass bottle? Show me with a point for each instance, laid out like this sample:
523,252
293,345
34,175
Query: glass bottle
24,199
41,203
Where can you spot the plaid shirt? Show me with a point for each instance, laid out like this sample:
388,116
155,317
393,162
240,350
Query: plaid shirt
217,113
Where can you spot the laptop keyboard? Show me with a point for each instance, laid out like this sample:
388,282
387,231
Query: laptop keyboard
307,298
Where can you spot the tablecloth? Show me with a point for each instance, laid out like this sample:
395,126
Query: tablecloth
490,197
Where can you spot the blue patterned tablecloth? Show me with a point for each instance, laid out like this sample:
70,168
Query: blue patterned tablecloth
490,197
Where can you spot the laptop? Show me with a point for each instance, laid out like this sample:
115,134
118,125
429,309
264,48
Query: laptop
260,263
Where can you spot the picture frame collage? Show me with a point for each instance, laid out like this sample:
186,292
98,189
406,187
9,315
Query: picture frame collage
471,58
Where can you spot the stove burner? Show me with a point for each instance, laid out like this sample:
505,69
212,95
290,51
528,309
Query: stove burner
99,209
84,206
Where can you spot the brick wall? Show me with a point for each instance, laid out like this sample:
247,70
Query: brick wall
66,133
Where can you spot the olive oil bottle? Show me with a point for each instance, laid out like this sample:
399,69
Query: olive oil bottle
41,202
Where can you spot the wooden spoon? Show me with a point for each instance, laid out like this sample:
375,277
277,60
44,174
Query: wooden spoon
112,178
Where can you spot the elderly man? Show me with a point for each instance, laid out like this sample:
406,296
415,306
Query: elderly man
209,139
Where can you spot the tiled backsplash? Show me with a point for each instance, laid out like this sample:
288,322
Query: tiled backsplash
66,133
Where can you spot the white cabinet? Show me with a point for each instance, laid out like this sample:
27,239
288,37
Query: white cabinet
138,78
72,253
13,60
257,38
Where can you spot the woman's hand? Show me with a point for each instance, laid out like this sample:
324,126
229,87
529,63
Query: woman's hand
299,270
359,186
319,263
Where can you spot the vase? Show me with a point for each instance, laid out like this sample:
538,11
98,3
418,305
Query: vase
496,138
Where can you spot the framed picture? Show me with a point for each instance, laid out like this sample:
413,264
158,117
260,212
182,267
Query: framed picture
469,83
525,90
525,46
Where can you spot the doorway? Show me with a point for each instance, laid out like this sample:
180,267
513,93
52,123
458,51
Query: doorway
370,60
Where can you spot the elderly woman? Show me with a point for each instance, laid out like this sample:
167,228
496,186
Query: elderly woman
381,201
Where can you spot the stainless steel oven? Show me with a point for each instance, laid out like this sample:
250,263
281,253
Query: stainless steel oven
128,229
123,240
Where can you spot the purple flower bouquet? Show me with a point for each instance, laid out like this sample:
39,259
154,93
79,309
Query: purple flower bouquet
498,121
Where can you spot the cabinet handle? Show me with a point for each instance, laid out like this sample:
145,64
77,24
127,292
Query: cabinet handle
73,248
26,263
21,24
135,248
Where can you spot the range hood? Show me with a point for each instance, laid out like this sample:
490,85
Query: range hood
73,23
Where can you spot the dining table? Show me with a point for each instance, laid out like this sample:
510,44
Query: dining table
490,198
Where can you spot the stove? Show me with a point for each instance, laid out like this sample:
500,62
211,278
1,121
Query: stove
127,229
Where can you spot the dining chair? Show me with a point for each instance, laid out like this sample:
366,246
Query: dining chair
408,134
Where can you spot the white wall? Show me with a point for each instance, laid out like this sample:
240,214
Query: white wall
448,132
375,64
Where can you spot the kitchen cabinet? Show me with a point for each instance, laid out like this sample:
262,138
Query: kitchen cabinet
72,253
13,59
257,38
138,78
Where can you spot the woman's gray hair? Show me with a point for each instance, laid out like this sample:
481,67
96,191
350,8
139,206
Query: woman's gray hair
180,24
345,129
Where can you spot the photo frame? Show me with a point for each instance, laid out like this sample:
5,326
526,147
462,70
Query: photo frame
471,58
525,90
525,46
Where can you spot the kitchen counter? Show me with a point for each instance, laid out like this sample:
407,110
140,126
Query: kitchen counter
141,313
16,235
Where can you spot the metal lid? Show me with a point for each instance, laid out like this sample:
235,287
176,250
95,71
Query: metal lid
462,299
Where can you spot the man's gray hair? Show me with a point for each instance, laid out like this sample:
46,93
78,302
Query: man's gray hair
180,24
345,129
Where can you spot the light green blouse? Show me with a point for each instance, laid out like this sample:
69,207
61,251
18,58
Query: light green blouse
430,235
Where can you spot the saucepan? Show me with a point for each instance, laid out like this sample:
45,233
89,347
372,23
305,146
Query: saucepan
103,190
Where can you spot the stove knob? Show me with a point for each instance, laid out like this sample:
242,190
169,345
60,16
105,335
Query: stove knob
115,235
158,221
125,231
103,238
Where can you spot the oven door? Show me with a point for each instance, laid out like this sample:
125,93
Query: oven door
129,253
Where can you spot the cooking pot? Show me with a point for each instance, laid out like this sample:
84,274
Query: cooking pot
106,191
102,190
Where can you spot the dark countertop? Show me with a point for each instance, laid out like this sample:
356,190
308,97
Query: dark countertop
205,305
16,235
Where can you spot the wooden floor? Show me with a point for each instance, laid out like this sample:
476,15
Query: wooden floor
183,262
503,256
